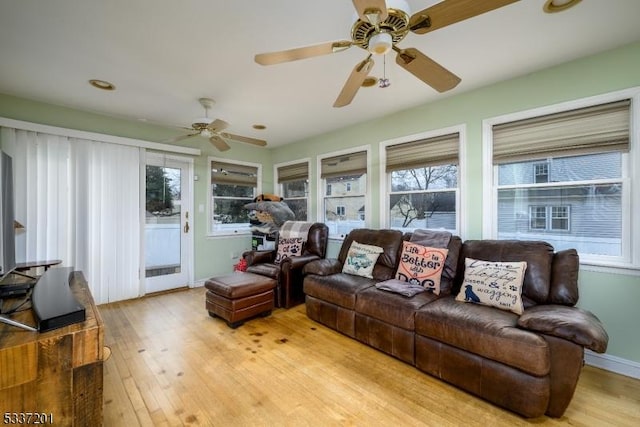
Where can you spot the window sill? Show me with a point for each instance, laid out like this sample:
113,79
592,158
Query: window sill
610,268
226,234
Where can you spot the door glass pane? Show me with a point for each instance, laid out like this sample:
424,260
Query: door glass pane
162,222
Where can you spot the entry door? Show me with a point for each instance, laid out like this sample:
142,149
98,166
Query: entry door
168,240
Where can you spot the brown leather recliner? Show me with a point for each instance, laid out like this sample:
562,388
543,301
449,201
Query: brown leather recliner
288,273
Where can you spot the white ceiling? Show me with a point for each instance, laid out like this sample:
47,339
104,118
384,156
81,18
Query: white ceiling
163,55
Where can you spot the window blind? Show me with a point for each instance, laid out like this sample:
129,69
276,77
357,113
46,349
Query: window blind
233,174
346,164
598,128
294,172
423,153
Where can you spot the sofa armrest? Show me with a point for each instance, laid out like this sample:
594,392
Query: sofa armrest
297,262
571,323
323,267
259,257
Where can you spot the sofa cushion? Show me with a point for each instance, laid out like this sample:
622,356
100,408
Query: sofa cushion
389,240
288,247
496,284
339,289
485,331
361,259
391,308
537,255
421,265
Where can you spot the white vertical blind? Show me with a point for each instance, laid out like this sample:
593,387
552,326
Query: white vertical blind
79,201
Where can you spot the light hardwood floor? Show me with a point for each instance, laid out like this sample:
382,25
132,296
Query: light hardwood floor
173,365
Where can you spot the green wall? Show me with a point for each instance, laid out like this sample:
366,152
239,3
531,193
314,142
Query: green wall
612,297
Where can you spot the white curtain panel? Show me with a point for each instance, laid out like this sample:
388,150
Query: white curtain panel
79,201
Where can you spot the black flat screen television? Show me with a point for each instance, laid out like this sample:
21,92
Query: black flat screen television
7,217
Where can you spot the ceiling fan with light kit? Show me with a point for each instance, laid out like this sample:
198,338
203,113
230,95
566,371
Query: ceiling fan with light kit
380,26
212,129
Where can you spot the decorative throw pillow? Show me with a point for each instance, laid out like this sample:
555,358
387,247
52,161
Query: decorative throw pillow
496,284
421,265
288,247
361,259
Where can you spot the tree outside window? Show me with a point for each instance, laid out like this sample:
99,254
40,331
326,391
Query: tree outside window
424,197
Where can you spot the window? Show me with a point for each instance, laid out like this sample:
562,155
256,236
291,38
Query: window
541,172
233,185
537,218
579,188
549,218
293,179
344,187
422,183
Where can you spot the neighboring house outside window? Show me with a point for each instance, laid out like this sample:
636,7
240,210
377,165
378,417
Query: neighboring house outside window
343,185
233,185
549,218
293,181
422,183
541,172
577,193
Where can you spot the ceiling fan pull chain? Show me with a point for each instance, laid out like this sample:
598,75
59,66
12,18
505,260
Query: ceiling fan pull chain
384,81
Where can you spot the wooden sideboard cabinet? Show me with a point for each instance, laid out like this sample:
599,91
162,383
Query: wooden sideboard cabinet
57,375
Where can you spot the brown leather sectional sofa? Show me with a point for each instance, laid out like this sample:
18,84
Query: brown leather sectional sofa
527,363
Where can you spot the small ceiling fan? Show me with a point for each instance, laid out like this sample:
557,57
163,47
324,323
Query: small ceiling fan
380,26
212,129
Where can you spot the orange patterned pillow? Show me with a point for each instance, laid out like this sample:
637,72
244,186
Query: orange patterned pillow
422,265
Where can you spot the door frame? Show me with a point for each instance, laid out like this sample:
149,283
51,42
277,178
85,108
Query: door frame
187,203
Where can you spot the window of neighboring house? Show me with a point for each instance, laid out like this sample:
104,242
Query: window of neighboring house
537,218
549,218
582,207
541,172
233,185
343,180
422,183
293,179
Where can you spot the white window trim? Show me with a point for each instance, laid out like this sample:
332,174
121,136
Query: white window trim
321,182
629,262
242,232
279,186
385,179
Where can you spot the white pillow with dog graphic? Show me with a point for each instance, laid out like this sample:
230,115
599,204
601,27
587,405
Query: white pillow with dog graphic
496,284
361,259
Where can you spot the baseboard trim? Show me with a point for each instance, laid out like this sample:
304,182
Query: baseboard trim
615,364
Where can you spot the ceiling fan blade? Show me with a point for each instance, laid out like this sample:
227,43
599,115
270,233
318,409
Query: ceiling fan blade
426,69
353,83
246,139
181,137
372,11
219,143
272,58
217,125
449,12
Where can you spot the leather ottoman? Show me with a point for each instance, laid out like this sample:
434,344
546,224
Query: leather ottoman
239,296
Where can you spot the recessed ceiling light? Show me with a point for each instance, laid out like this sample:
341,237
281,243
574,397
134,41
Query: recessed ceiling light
102,84
259,127
552,6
